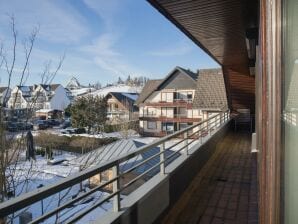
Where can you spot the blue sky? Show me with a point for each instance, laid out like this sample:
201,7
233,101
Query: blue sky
102,40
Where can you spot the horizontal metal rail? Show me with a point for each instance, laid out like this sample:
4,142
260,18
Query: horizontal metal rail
203,128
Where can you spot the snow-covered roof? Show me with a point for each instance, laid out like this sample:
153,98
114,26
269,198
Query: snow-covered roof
131,96
44,110
81,91
120,148
121,88
25,88
73,83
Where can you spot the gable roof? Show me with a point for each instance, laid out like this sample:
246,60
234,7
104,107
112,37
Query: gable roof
54,86
193,75
120,148
150,86
127,99
184,71
153,85
211,92
51,87
73,83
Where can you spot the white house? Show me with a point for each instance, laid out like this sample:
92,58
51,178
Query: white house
40,96
53,96
4,95
20,97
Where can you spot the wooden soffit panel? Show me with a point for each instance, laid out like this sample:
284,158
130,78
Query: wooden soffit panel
217,26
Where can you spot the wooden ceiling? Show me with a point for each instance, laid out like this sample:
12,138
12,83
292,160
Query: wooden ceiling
220,28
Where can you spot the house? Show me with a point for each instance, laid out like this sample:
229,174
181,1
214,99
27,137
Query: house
4,95
121,106
53,96
174,102
75,89
20,98
73,83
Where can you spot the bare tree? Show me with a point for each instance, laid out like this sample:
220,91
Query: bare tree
12,146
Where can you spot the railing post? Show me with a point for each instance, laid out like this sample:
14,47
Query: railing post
201,134
185,136
221,119
209,127
162,159
116,186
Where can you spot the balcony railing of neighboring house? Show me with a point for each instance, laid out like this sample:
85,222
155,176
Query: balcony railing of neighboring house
176,102
148,115
187,100
173,118
193,137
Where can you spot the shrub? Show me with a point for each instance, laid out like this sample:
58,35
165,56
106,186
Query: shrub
77,144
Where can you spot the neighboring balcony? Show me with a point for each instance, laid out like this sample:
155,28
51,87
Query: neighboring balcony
175,118
175,103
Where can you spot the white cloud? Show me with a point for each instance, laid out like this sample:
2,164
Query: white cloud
105,9
103,45
58,22
105,54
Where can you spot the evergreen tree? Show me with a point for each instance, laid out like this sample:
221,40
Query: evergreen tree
120,81
89,111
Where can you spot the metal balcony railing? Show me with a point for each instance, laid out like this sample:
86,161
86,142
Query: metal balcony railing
183,140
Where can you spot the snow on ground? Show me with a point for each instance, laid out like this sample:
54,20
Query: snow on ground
45,174
31,174
117,88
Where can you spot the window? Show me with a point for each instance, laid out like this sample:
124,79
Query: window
290,112
151,111
151,125
166,112
189,96
167,97
167,126
163,97
183,126
182,112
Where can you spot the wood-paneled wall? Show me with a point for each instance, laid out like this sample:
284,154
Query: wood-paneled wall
240,88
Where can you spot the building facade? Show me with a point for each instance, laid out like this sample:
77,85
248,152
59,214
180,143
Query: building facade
121,107
20,98
38,97
182,99
165,105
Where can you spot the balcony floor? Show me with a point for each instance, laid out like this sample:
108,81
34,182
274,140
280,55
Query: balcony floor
225,190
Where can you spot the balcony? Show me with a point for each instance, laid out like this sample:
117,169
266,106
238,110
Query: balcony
192,175
175,103
175,118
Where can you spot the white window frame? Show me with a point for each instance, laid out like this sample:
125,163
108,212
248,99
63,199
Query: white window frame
152,125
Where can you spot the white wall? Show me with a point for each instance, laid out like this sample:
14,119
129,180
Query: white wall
60,100
6,93
154,97
18,105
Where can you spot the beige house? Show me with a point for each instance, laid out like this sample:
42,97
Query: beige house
179,100
121,107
